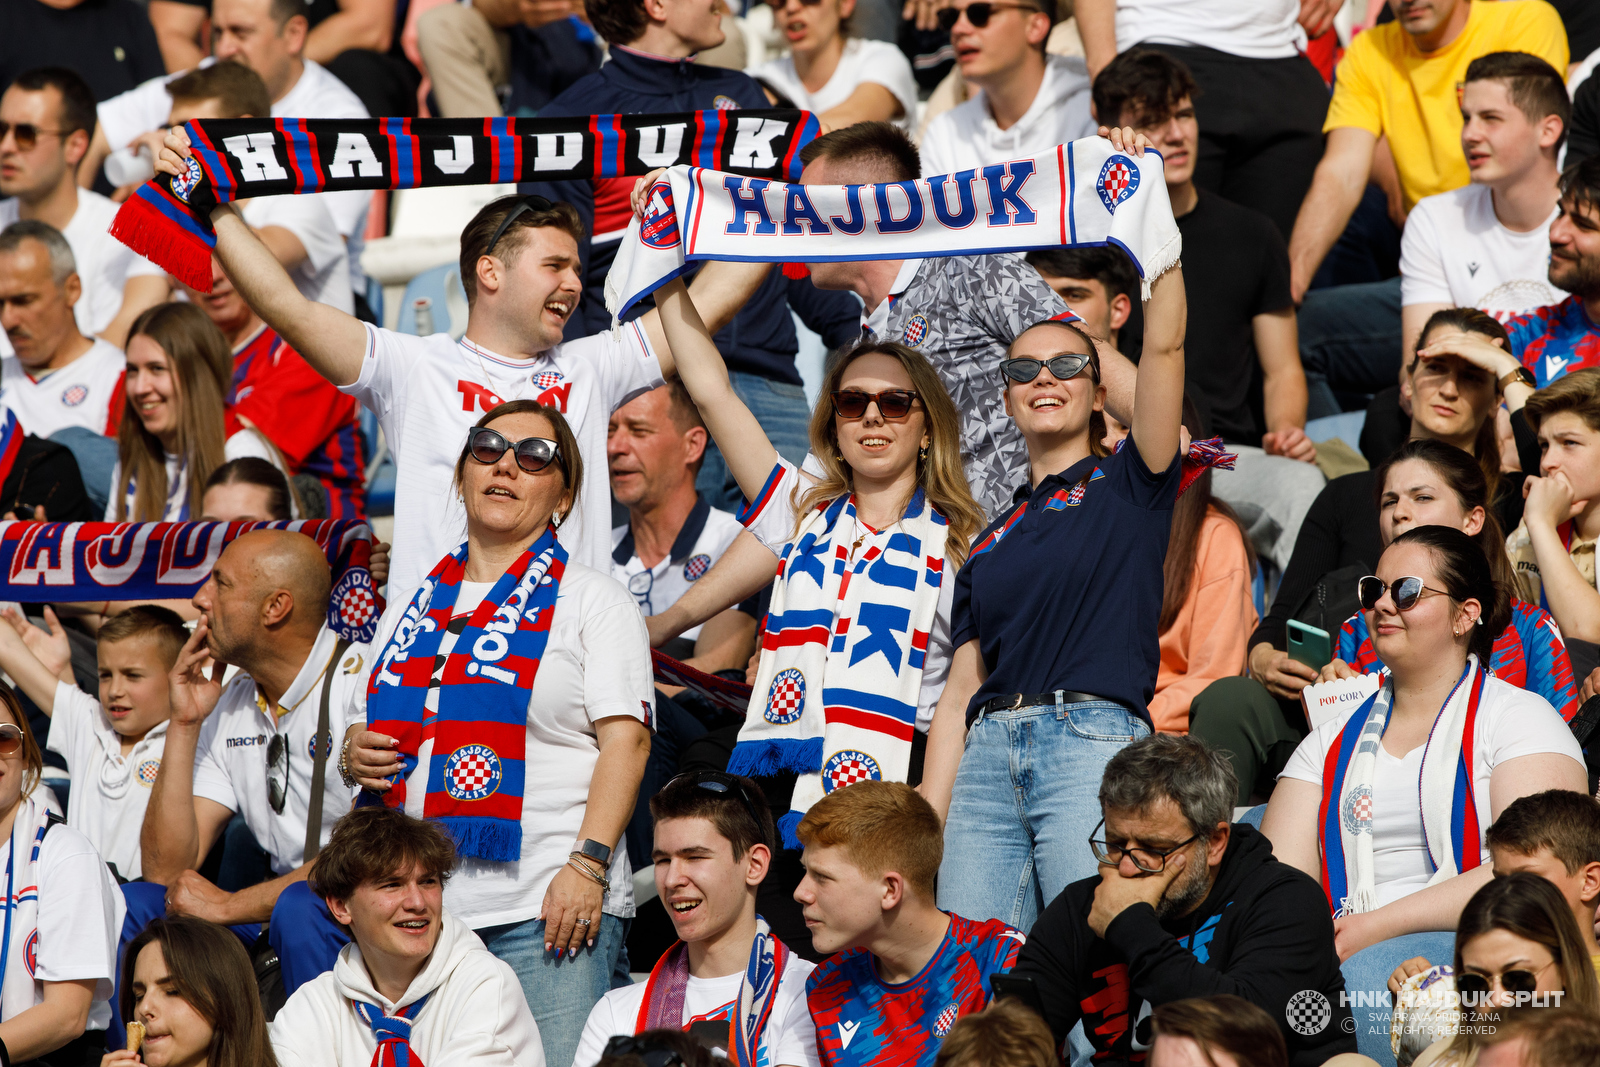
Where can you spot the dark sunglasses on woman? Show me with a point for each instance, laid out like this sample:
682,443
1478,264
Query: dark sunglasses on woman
1405,592
892,403
10,739
1477,986
534,454
1022,371
977,13
26,133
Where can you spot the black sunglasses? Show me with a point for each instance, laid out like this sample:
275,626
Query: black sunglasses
534,454
277,788
653,1053
528,203
26,133
1404,591
892,403
1148,860
781,4
977,13
722,785
1477,986
1022,371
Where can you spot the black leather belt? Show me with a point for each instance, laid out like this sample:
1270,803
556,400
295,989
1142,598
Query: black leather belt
1029,700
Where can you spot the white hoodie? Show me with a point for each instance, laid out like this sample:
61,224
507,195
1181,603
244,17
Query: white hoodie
477,1016
966,137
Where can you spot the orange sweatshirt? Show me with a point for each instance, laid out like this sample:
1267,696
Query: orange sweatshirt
1209,638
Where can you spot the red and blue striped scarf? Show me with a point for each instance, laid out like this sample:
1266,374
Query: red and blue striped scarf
168,219
11,436
393,1032
475,777
1445,793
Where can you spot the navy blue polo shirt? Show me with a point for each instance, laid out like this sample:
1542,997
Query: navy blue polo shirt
1063,591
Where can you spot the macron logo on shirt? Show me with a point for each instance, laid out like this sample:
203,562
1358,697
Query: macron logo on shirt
846,1032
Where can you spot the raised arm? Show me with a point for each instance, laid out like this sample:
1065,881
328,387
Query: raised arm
331,341
747,567
1158,403
36,660
744,444
179,828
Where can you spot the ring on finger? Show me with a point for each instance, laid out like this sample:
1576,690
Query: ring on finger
582,922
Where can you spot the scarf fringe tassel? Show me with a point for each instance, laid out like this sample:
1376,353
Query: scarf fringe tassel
789,830
498,840
141,226
775,755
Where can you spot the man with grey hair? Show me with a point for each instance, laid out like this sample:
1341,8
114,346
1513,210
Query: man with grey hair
1187,904
56,377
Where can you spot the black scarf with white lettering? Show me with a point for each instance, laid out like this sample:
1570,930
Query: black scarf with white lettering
168,220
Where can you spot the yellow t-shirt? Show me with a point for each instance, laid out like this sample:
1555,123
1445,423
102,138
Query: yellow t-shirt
1387,86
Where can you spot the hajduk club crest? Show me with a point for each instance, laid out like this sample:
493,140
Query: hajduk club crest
1119,179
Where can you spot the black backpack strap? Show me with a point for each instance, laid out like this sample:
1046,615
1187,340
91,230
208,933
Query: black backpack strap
319,764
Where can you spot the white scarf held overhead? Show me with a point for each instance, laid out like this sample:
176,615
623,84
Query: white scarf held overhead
1083,193
842,654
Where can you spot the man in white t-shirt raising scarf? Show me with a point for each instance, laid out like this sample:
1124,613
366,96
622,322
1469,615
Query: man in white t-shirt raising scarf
520,270
728,980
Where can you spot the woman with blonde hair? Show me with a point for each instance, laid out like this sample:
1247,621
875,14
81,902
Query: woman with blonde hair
857,643
173,432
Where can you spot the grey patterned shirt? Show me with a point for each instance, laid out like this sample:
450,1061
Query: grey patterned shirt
962,312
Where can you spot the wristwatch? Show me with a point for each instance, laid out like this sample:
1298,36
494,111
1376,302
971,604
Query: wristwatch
594,850
1522,374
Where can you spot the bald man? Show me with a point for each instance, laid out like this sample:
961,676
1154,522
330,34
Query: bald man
250,747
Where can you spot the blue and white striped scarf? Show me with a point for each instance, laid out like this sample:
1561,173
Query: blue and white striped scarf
842,652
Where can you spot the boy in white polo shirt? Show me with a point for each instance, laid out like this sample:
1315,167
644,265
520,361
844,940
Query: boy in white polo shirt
728,978
113,745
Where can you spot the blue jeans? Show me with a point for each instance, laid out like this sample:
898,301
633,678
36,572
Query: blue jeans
560,989
783,413
1027,797
1349,343
1366,980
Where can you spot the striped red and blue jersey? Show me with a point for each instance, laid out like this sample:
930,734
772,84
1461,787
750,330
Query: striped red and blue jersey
1556,340
1528,654
312,423
863,1021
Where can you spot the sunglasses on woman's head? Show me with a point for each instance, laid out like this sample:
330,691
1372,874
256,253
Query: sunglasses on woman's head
892,403
1062,367
1405,592
534,454
977,13
10,739
528,203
